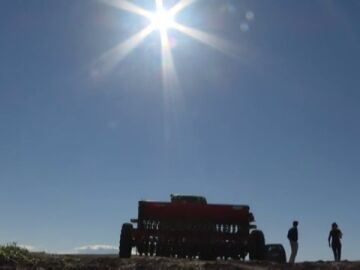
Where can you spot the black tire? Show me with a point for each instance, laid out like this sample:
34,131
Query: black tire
207,254
257,245
275,253
207,257
126,240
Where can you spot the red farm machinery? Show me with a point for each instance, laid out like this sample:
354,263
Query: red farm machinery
189,227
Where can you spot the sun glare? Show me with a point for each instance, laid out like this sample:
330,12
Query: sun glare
162,19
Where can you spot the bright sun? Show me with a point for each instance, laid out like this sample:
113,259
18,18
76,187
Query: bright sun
162,19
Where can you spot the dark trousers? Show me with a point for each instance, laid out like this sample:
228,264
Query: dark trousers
294,249
337,252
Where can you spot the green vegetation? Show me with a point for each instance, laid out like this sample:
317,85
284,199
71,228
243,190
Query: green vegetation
13,254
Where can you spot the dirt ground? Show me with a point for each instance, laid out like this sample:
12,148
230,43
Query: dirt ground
94,262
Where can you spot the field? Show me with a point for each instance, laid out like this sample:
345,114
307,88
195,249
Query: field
12,257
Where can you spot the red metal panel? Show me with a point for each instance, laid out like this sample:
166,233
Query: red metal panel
219,213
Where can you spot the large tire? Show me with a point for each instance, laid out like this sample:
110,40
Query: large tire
275,253
207,254
257,245
126,240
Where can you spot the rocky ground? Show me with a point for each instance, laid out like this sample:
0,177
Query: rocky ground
94,262
13,257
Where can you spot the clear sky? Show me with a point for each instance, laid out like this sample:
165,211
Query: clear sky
274,125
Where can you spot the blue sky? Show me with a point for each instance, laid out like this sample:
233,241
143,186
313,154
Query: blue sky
275,127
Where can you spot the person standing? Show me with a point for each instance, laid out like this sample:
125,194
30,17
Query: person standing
293,238
334,241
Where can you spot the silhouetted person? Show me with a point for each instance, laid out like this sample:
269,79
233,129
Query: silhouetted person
293,238
334,241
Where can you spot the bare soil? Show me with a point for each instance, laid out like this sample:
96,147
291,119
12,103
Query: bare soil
110,262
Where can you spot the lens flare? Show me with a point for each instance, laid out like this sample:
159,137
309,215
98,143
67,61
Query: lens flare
160,20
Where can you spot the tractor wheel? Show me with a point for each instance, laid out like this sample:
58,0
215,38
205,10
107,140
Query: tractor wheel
126,240
275,253
257,245
207,255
